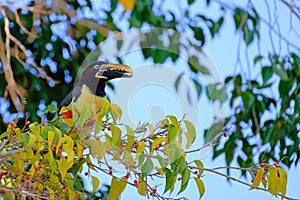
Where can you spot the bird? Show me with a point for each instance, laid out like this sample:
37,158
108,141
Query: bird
89,92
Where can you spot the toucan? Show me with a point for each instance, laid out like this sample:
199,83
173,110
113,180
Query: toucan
93,81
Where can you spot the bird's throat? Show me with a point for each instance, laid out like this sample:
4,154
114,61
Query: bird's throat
100,89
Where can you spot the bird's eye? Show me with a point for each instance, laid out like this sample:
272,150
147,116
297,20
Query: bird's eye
96,66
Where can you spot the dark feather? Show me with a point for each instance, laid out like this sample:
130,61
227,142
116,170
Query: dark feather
74,93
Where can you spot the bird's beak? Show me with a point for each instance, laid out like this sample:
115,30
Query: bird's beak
111,71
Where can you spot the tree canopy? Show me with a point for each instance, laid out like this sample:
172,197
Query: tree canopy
43,44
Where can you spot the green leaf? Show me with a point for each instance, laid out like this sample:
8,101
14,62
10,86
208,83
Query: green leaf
198,88
191,2
161,161
216,92
147,167
172,134
195,65
116,135
211,133
190,134
199,35
199,164
257,58
248,99
266,73
185,175
50,108
200,186
177,81
169,179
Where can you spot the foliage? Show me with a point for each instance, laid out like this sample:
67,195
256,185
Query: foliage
48,159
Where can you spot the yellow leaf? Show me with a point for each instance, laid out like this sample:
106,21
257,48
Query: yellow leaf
96,183
116,112
117,187
97,149
200,186
157,142
258,178
32,171
127,157
50,139
68,148
50,192
32,139
63,167
141,145
150,127
60,142
282,181
142,187
190,134
19,163
72,194
105,105
127,4
80,148
130,138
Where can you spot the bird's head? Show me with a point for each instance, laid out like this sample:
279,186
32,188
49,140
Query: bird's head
97,74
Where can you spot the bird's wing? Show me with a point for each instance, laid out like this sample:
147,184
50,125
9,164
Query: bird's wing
74,93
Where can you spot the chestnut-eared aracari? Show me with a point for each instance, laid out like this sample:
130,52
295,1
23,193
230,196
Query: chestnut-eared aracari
94,78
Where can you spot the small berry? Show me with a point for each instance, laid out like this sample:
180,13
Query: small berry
276,164
53,148
86,173
135,182
225,134
27,122
252,180
263,164
97,138
110,172
195,172
179,179
127,176
108,128
3,192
